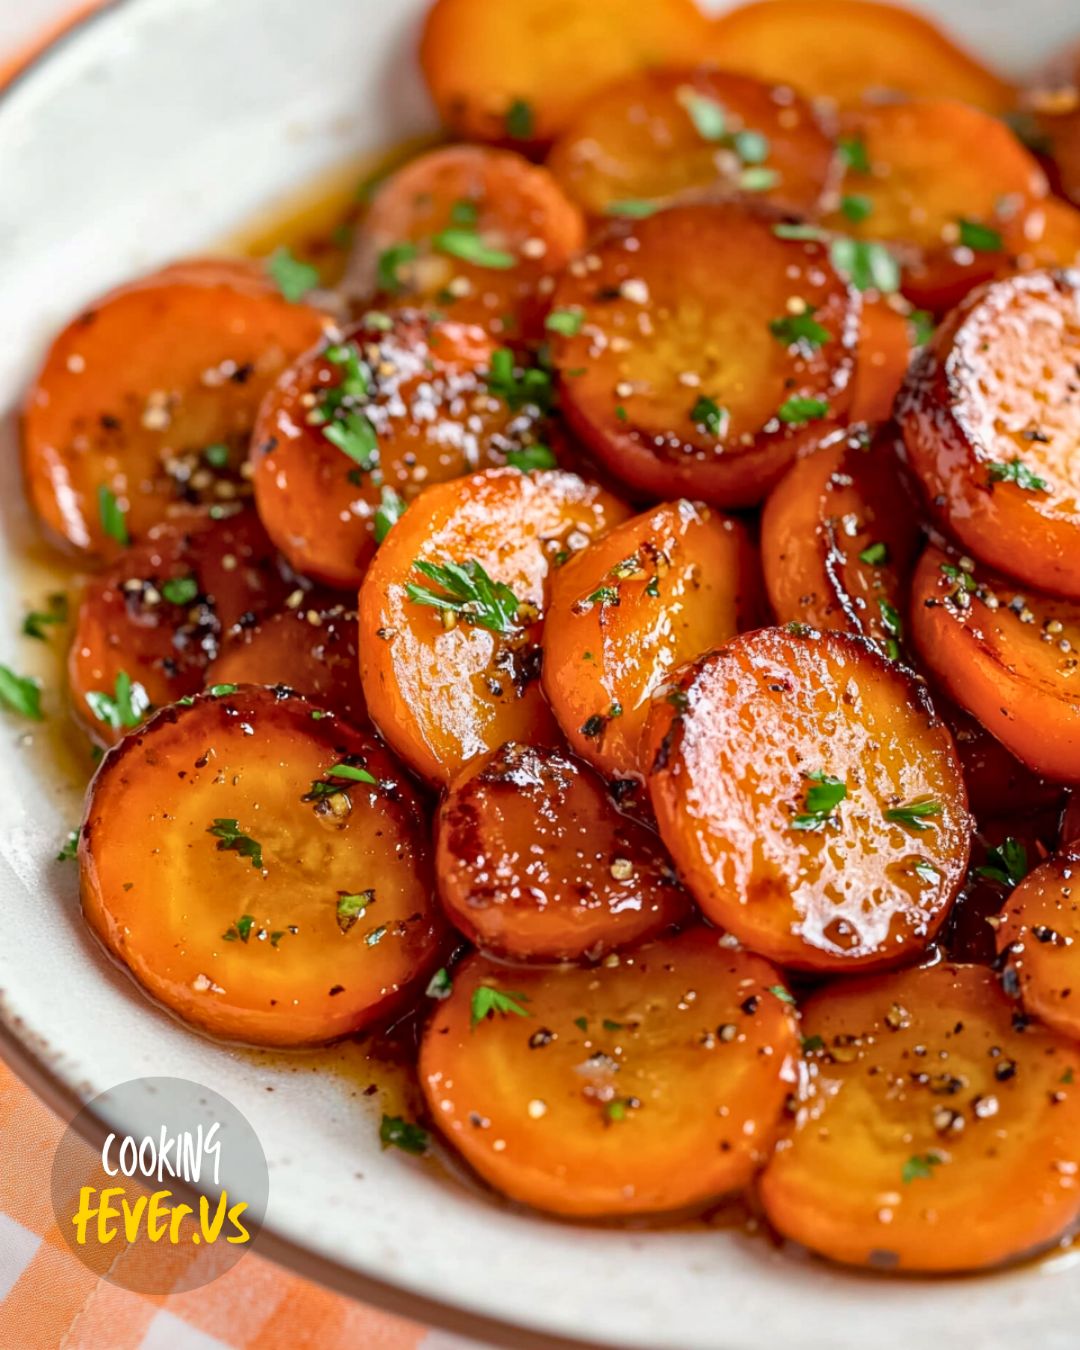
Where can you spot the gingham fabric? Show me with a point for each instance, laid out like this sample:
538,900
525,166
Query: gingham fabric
48,1299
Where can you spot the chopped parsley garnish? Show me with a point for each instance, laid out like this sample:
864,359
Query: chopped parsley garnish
388,267
635,208
752,147
915,814
1016,471
823,796
758,178
963,579
919,1167
518,387
126,706
354,436
519,120
894,629
797,230
868,266
708,116
342,423
797,411
464,212
709,414
531,457
487,1000
852,152
459,242
440,985
231,839
216,455
240,931
293,278
396,1132
468,592
857,206
389,511
70,847
978,237
113,517
799,329
605,595
566,322
875,555
220,690
810,1044
350,906
37,620
1007,864
921,323
926,871
784,995
180,590
350,773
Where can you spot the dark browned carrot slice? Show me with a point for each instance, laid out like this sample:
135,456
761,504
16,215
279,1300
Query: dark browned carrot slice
839,535
658,590
685,380
1040,936
940,1134
535,862
353,431
662,134
612,1091
288,901
1006,653
812,801
147,399
844,49
475,232
990,416
148,627
884,352
310,646
451,613
517,73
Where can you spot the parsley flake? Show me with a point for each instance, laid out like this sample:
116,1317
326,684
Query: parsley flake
875,555
468,592
565,322
915,814
440,985
978,237
180,590
293,278
823,796
519,120
797,411
1007,864
634,208
920,1167
350,906
709,414
230,839
852,152
37,620
70,847
396,1132
519,387
800,330
113,517
389,264
240,931
1015,471
487,1000
459,242
531,457
389,511
857,206
126,706
869,266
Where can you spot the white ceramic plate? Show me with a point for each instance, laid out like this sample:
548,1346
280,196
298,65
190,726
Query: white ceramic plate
154,129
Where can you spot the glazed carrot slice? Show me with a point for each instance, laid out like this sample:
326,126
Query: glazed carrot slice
517,73
843,49
1005,653
990,416
611,1091
1050,113
535,862
354,430
658,590
1051,236
147,399
683,379
451,613
940,1135
148,627
477,233
662,134
884,353
948,185
812,801
261,868
310,647
839,536
1039,935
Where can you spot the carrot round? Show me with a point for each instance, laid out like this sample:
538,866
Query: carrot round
535,862
261,868
845,49
652,1083
517,73
811,800
148,627
310,646
884,353
147,399
451,613
662,134
355,429
940,1134
477,233
839,536
685,380
1005,653
990,417
658,590
1039,934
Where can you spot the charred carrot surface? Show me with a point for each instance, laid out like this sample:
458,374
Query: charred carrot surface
990,416
940,1133
147,399
535,861
261,868
610,1091
683,379
659,590
811,800
452,608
